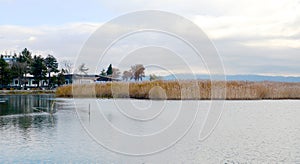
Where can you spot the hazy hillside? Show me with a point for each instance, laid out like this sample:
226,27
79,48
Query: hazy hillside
235,77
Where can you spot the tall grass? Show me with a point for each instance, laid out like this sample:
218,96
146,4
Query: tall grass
176,90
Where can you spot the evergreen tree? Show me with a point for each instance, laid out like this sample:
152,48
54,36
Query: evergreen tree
24,61
5,76
52,66
18,70
60,79
38,69
103,73
109,71
26,56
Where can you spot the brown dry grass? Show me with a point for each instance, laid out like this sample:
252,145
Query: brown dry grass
176,90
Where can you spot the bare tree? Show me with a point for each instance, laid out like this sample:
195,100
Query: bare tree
83,69
115,73
127,75
67,66
138,72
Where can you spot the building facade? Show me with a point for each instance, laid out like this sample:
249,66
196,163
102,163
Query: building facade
8,58
28,82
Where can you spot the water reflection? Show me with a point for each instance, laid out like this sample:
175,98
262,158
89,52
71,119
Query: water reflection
27,111
249,132
25,104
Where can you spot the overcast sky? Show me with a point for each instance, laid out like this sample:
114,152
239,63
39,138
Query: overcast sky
251,36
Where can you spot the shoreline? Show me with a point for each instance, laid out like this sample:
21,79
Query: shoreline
42,92
26,92
173,90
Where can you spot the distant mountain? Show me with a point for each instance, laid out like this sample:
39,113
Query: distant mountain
234,77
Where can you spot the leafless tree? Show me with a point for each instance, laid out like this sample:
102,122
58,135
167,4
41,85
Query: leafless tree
83,69
67,66
138,72
115,73
127,75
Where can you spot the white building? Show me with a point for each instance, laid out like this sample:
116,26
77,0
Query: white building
29,81
8,58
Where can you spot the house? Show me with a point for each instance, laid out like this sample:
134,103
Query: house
68,78
80,79
8,58
29,82
105,79
86,79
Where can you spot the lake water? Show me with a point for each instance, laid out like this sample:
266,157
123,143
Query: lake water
42,128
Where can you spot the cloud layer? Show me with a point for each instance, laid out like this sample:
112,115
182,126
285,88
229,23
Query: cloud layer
253,37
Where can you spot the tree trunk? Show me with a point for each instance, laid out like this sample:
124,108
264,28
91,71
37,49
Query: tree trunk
38,83
19,80
25,80
49,80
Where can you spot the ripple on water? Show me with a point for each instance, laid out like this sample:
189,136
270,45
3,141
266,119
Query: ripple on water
248,132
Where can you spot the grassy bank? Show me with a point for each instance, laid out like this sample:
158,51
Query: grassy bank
175,90
25,92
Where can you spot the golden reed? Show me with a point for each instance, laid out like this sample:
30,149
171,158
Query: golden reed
176,90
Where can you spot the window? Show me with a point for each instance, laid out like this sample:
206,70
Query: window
16,82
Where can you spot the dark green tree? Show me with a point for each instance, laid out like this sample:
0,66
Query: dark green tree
18,71
103,73
38,69
25,56
5,75
109,71
52,66
60,79
24,61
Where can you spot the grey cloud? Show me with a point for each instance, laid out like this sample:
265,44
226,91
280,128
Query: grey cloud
66,42
63,41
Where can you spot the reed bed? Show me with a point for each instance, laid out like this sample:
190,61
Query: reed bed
177,90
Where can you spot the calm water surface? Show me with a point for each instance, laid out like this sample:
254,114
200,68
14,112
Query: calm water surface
36,129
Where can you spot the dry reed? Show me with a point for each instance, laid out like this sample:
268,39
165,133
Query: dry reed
176,90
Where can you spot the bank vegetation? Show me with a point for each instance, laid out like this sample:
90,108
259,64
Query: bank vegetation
177,90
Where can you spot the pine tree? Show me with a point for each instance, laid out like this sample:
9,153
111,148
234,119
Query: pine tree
52,66
103,73
38,69
5,75
109,71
